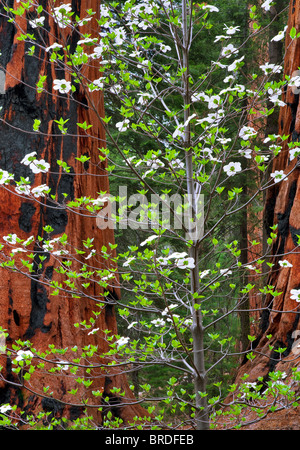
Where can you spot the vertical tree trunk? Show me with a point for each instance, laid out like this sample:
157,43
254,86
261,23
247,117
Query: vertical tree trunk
280,318
28,311
271,51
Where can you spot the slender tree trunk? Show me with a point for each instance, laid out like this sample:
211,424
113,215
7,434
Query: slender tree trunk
28,311
202,422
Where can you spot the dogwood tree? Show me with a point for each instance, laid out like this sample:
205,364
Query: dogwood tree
175,147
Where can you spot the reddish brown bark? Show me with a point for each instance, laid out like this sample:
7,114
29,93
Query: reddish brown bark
280,317
270,50
28,311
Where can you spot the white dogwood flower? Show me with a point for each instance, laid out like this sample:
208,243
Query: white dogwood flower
158,322
295,294
232,168
99,50
24,354
129,260
23,188
18,250
5,177
278,175
96,85
92,253
247,153
39,22
40,191
54,46
149,239
267,5
294,152
247,132
61,15
155,163
164,48
231,30
185,263
11,238
285,263
63,86
225,272
104,11
60,252
120,35
268,68
28,241
210,8
27,160
5,408
280,35
177,255
234,66
122,341
229,50
204,273
214,101
123,126
274,97
39,166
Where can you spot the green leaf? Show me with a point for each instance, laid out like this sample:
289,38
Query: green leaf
36,124
84,125
293,32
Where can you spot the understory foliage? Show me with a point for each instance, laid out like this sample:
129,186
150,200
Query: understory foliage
186,155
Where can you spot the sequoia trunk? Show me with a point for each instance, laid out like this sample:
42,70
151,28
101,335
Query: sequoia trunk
280,316
28,310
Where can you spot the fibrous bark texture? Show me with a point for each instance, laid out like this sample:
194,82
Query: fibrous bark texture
28,311
280,316
266,49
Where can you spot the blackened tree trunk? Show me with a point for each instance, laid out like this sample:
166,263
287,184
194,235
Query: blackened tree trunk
28,310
